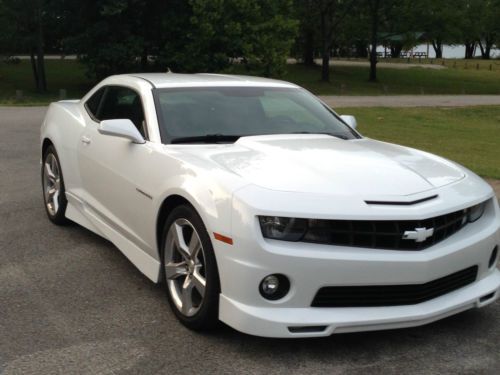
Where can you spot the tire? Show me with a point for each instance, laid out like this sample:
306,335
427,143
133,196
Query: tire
54,196
185,266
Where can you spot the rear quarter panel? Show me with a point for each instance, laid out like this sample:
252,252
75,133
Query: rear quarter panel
63,125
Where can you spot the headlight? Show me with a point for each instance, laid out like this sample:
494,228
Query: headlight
283,228
475,212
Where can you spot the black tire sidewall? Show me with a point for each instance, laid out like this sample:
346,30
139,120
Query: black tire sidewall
59,218
207,315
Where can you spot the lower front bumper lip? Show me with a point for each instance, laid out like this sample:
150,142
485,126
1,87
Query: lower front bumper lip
275,321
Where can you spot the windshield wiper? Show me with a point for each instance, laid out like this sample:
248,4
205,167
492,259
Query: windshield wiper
208,138
341,136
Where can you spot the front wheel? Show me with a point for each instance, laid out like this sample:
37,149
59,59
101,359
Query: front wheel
190,269
53,187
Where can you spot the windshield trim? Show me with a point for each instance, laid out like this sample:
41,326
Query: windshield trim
167,139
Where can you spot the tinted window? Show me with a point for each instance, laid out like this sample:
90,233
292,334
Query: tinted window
242,111
121,102
93,103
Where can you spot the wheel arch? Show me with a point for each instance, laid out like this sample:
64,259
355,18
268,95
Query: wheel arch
168,204
45,145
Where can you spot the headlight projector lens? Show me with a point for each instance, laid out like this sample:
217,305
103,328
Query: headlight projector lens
274,287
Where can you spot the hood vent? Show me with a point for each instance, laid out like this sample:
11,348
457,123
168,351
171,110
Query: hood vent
402,203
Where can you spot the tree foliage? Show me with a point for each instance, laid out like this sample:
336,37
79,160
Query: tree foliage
117,36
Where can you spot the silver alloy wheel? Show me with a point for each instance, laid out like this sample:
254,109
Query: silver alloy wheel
184,261
51,184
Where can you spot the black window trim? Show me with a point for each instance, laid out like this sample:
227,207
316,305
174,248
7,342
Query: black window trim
106,88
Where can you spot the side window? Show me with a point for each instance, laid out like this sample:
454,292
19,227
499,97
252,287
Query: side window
122,102
92,104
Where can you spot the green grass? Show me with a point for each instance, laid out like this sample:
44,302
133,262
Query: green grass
467,64
354,81
469,136
346,80
61,74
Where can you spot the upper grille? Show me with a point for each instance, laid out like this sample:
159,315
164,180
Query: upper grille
384,234
392,295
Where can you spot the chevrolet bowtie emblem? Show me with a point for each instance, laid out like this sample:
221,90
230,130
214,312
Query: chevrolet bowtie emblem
419,234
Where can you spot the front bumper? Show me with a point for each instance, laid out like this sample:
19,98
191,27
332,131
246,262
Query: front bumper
311,266
316,322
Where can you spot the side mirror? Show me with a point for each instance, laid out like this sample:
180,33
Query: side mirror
121,128
350,120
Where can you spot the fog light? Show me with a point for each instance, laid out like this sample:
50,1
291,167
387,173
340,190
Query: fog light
274,287
493,257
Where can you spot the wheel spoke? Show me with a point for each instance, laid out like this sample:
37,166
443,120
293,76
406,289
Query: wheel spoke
48,172
194,245
179,240
55,201
199,282
51,192
53,165
175,270
187,296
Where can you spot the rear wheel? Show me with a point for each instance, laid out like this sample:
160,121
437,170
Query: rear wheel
190,270
53,187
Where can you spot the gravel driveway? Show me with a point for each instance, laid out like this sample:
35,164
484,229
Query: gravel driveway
70,302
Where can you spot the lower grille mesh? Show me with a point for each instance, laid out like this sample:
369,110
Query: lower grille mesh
392,295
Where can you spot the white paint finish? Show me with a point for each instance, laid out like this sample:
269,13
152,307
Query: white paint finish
123,128
320,164
116,188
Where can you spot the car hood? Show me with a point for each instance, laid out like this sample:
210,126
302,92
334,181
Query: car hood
328,165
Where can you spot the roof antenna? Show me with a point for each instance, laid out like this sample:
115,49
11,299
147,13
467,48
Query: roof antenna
168,70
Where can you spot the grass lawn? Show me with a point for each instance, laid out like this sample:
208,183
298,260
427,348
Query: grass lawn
469,136
346,80
396,81
61,74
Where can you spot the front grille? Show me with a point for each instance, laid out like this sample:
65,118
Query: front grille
384,234
392,295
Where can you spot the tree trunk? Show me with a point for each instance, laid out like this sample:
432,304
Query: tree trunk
33,67
374,7
308,53
325,63
144,58
469,49
396,50
42,82
485,49
438,48
325,49
361,50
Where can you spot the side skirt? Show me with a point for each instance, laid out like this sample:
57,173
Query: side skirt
82,214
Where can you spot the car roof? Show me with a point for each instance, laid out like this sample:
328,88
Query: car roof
166,80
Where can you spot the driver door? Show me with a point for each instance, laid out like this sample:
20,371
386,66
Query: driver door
112,168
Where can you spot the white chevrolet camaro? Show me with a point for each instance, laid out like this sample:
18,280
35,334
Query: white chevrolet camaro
259,206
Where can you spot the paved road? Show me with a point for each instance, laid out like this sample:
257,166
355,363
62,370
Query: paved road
411,100
71,303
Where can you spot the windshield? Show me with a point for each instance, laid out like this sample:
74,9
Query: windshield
223,114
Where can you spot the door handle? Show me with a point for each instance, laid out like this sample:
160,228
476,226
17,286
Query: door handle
85,140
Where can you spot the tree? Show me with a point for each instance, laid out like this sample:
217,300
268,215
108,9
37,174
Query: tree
23,29
470,20
257,33
184,36
374,11
441,21
489,27
306,13
116,36
329,15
